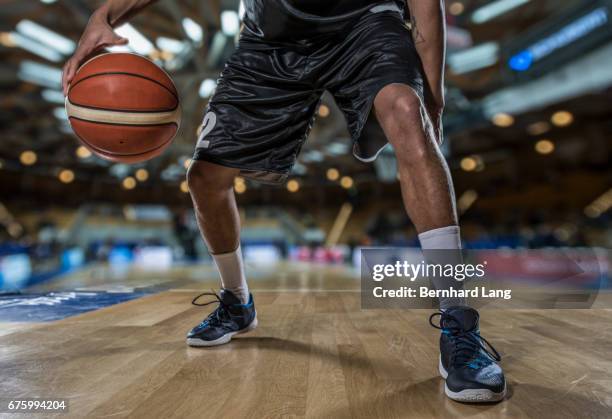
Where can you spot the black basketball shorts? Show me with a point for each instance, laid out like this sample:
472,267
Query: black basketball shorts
267,94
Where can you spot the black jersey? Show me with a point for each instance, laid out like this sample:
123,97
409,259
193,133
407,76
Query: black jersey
303,19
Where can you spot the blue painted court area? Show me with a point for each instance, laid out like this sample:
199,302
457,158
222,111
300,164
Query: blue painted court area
58,305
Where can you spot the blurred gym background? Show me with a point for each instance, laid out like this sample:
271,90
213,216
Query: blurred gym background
528,137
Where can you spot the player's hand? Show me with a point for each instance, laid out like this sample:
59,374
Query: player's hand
97,35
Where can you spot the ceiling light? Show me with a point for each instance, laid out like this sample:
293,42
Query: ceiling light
240,188
66,176
141,175
137,41
171,45
544,147
456,8
230,22
46,36
337,148
52,96
40,74
475,58
60,113
299,169
495,9
333,174
28,158
83,152
346,182
239,185
34,47
217,49
193,30
313,156
129,183
207,88
562,118
466,200
293,186
502,119
323,111
599,205
470,164
119,48
184,187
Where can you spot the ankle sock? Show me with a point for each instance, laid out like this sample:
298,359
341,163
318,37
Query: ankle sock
443,246
233,278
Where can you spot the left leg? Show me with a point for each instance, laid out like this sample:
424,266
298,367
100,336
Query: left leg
467,363
380,44
425,180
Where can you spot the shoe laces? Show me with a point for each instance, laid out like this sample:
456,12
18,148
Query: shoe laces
219,314
469,346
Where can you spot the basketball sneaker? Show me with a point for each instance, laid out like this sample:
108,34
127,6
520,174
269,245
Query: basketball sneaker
230,318
468,362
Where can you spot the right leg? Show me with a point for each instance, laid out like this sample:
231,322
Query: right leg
212,192
211,187
255,121
214,202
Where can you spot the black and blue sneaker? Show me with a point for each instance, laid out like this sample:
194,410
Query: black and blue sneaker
468,363
230,318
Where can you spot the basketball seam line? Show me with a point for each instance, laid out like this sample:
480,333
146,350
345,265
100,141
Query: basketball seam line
121,73
110,153
124,125
97,108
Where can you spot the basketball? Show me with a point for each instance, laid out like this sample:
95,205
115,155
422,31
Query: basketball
123,107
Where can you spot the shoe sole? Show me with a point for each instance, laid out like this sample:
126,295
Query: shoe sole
223,339
472,395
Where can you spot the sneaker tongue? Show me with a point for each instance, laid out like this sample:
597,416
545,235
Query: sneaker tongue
466,316
228,297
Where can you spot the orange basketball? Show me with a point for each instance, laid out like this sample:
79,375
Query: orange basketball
123,107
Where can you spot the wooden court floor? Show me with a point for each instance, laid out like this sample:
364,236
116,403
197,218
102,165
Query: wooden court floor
315,354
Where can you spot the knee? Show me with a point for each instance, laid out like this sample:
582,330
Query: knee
196,180
406,108
410,138
205,179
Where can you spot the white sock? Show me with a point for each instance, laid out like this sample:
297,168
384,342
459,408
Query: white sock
231,269
442,242
445,238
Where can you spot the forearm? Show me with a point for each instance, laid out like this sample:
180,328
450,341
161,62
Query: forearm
116,12
429,34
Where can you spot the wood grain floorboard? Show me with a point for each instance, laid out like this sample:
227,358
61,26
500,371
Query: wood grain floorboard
314,355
